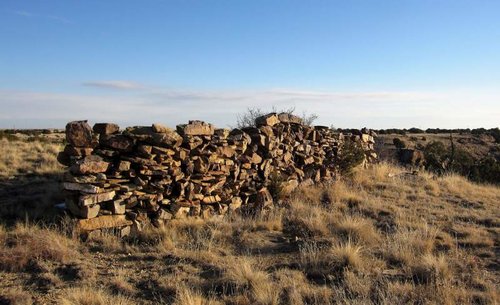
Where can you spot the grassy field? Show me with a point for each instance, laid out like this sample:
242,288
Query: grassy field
380,237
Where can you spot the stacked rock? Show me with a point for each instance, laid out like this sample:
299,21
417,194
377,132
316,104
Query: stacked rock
122,179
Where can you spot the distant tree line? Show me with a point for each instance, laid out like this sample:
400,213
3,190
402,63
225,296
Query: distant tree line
494,132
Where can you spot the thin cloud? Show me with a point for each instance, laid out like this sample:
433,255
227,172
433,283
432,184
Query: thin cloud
115,84
35,15
172,107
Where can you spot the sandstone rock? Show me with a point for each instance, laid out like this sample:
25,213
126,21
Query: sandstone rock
85,212
117,207
84,188
211,199
270,119
119,142
196,128
289,118
167,139
222,133
161,128
79,134
106,128
90,165
90,199
101,222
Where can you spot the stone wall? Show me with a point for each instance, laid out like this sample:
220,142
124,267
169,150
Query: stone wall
124,178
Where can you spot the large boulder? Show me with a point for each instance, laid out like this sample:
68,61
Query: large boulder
79,134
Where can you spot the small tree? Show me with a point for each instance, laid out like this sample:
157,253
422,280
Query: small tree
436,157
247,119
351,154
400,144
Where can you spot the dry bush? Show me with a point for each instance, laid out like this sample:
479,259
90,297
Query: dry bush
325,263
15,296
26,244
305,221
120,285
91,296
188,296
246,276
357,229
406,245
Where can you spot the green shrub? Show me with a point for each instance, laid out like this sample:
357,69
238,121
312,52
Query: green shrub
436,157
400,144
351,155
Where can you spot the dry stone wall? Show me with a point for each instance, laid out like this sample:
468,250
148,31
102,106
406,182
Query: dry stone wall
124,178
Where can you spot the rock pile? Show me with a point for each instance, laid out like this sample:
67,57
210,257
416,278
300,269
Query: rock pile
122,179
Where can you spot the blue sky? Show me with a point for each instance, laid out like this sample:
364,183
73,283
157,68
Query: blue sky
355,63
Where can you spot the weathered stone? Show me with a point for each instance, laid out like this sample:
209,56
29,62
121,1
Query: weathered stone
222,133
196,128
79,134
101,222
106,128
90,199
167,139
78,151
123,166
118,142
90,165
179,211
117,207
289,118
225,151
159,128
270,119
82,211
84,188
211,199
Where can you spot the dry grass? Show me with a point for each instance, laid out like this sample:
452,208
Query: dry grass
381,237
91,296
25,245
19,157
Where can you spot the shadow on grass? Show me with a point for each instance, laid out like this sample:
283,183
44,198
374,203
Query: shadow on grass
30,198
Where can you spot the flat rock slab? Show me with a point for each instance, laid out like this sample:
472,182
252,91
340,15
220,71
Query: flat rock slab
96,198
196,128
106,128
82,187
102,222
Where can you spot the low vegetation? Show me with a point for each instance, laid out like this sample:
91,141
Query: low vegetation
381,236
